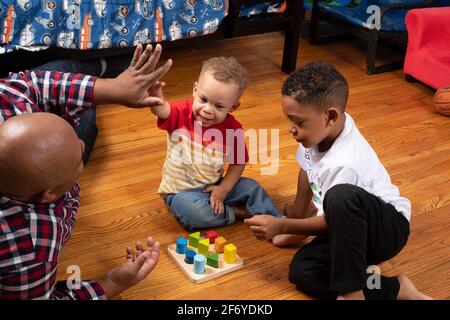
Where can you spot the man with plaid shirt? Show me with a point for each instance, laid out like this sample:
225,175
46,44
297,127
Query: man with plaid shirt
40,161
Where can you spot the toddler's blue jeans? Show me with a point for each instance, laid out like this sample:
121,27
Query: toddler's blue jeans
193,210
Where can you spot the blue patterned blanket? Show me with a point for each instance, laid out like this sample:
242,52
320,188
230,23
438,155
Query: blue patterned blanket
98,24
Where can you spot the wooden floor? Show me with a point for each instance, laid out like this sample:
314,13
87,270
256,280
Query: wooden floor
119,204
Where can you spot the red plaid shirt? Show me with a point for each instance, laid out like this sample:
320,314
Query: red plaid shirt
32,235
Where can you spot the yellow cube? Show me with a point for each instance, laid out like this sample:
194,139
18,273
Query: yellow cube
229,253
219,243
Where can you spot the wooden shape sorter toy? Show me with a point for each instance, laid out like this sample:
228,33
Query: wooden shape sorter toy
203,262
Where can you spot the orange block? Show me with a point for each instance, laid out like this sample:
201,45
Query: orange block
219,244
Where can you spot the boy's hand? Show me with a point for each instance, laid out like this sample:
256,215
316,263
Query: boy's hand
264,227
133,87
218,194
138,265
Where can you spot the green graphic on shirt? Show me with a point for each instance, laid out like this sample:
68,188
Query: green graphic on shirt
317,194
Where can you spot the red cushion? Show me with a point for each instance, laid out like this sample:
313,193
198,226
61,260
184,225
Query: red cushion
428,53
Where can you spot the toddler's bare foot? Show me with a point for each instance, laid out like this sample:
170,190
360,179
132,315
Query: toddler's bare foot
281,240
241,213
408,291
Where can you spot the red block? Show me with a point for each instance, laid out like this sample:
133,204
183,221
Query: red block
211,235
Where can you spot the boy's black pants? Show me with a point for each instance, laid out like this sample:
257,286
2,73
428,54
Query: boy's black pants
363,230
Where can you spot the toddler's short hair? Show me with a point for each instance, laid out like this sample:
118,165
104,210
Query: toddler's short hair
226,70
317,84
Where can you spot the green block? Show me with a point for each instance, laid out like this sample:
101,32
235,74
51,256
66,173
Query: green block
203,247
213,260
193,239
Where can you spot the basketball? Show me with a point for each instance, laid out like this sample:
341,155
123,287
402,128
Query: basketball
442,101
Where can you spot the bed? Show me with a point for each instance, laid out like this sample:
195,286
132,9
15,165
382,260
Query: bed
36,25
100,24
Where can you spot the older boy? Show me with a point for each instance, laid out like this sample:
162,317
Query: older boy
40,162
202,136
362,220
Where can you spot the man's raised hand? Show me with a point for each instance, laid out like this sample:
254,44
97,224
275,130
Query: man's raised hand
132,87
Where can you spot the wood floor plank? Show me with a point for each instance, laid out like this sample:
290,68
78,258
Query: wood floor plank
119,204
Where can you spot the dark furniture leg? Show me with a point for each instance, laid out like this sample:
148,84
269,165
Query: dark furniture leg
371,53
410,78
314,25
292,38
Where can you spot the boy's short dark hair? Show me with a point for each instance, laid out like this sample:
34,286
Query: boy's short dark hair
317,84
226,70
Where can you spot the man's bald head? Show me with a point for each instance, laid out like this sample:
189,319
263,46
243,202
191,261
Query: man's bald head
39,152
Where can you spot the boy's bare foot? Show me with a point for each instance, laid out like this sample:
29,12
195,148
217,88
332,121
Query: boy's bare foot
282,240
290,213
357,295
408,291
241,213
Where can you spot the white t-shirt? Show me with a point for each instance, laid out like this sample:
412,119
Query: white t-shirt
349,160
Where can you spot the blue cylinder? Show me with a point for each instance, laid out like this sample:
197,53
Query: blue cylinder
181,245
189,256
199,263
